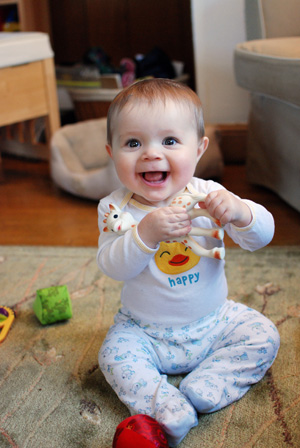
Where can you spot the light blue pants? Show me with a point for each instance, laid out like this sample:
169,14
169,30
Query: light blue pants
222,355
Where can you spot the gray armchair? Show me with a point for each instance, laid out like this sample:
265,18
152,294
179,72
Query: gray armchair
268,65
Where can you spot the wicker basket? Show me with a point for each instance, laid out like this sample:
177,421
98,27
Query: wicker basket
92,103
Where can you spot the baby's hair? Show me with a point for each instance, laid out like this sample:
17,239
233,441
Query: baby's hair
153,91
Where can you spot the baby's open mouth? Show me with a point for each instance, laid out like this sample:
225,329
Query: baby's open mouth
155,176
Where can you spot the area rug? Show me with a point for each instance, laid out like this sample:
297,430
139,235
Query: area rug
52,393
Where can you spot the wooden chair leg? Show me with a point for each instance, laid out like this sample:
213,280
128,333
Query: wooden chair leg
32,134
1,169
53,119
21,132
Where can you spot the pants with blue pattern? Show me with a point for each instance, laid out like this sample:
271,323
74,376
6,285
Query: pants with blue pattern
222,355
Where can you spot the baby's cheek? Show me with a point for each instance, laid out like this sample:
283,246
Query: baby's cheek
184,169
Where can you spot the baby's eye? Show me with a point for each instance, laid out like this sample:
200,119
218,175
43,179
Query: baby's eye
170,141
133,143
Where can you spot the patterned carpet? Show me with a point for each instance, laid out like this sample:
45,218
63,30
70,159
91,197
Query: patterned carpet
52,393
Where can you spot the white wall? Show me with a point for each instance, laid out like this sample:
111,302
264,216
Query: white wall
218,25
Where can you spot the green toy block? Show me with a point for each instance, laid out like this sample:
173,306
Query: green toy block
52,304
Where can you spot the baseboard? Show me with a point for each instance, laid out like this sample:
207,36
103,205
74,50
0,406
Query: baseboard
232,139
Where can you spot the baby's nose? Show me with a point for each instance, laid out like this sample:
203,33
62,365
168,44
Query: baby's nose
151,152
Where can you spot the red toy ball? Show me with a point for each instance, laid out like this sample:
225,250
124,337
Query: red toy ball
140,431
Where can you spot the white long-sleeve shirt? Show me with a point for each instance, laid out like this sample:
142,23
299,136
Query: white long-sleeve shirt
180,297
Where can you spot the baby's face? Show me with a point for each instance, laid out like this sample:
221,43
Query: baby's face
155,149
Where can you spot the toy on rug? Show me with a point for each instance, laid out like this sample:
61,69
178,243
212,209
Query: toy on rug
52,304
139,431
7,316
119,222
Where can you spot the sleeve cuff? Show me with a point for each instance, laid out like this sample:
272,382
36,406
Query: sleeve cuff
249,226
141,244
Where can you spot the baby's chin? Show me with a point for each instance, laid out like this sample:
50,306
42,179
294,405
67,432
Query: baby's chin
156,189
154,200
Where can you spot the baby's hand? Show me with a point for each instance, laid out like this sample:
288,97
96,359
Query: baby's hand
226,207
164,224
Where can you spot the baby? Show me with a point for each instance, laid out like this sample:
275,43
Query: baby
175,316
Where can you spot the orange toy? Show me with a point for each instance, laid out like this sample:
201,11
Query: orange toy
140,431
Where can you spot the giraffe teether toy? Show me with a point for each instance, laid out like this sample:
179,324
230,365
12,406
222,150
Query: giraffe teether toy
188,201
119,222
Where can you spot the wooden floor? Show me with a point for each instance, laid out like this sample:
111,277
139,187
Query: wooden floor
33,211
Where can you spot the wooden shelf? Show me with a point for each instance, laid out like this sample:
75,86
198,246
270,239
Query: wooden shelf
33,15
9,2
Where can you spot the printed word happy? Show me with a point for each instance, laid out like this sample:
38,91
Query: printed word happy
184,280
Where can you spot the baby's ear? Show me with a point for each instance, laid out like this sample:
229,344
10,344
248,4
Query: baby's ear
109,150
203,144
